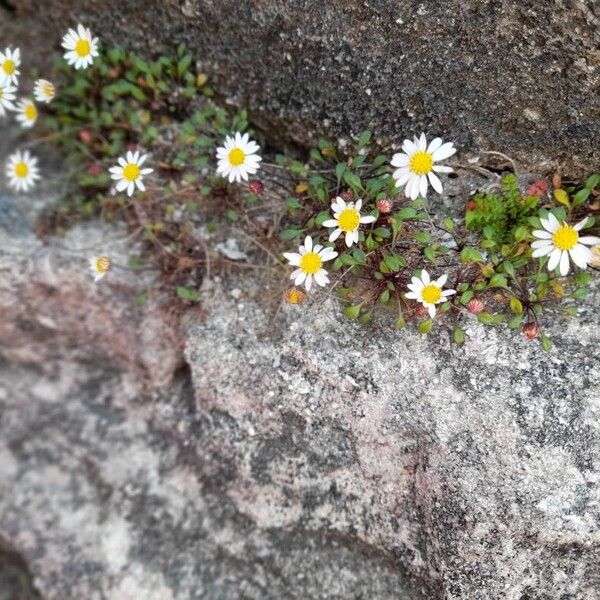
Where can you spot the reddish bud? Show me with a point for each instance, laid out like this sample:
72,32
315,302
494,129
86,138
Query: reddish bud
537,188
421,311
475,306
347,195
85,136
256,187
531,330
384,205
95,170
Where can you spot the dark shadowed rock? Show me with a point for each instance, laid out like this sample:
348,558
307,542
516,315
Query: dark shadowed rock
519,77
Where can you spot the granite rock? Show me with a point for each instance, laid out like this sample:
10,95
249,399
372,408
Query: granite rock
265,454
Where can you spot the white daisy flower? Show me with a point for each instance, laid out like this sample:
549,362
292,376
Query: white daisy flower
100,266
81,47
346,219
416,168
560,241
129,172
22,171
7,95
27,112
309,259
237,158
427,292
9,65
44,91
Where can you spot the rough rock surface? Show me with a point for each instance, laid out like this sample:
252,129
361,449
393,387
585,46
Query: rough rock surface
294,455
519,77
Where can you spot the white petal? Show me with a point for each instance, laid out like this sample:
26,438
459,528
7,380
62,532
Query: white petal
400,160
308,282
308,243
321,277
435,144
444,151
293,258
402,177
300,277
542,243
330,223
554,259
335,234
412,295
543,251
542,233
581,224
564,263
368,219
423,186
436,184
409,147
553,223
589,240
581,256
422,142
441,281
425,277
431,309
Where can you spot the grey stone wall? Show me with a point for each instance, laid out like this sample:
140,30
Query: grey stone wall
518,77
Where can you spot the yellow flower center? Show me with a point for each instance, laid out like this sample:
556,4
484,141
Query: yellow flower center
431,294
421,162
82,47
131,172
565,237
102,264
237,157
30,112
349,220
310,263
21,170
49,90
9,66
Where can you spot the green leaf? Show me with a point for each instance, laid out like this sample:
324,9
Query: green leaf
364,138
425,326
515,322
516,306
489,319
592,181
581,196
448,224
466,296
293,202
471,255
359,256
289,234
187,293
459,336
339,171
498,281
353,181
406,213
352,312
546,342
422,237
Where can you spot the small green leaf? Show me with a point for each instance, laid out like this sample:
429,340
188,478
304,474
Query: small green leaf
364,138
546,343
459,336
289,234
352,312
516,306
425,326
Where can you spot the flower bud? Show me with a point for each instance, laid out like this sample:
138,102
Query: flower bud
531,330
85,135
95,169
256,187
294,296
537,188
475,306
347,195
595,262
384,205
